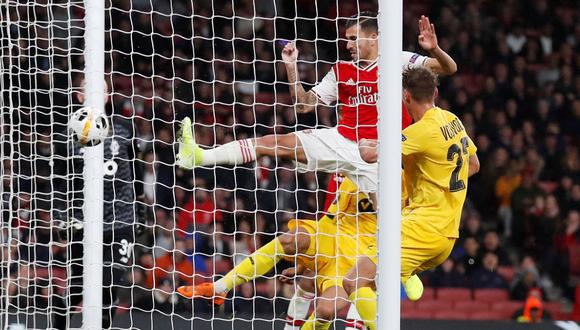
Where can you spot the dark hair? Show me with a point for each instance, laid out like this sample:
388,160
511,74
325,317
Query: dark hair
421,83
367,20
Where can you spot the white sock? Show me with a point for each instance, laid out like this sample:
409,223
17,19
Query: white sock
298,309
219,286
232,153
353,319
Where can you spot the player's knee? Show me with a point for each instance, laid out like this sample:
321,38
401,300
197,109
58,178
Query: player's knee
349,284
354,281
325,310
302,240
288,242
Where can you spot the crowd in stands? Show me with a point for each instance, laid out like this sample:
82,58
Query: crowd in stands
517,91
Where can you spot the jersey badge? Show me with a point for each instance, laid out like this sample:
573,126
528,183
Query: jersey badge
413,58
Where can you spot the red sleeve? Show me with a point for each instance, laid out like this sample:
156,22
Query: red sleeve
406,118
330,191
185,217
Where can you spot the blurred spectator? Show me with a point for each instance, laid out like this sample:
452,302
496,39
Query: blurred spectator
491,243
164,297
446,276
533,310
523,199
504,188
198,212
472,258
244,243
571,233
472,226
486,276
174,266
526,279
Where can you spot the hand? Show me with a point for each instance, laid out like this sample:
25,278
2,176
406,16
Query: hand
289,274
427,36
290,53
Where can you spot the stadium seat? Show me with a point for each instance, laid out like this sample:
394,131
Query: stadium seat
416,314
428,294
471,305
434,305
507,272
451,315
554,307
488,315
453,294
407,305
563,316
507,307
491,295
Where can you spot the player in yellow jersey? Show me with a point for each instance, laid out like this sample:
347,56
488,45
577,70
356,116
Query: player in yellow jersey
329,246
438,158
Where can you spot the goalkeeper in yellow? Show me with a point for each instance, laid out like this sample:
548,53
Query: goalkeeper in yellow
438,157
329,246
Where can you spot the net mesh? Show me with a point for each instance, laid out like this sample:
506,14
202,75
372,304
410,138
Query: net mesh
217,62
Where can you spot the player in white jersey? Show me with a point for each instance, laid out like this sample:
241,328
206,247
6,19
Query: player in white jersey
352,84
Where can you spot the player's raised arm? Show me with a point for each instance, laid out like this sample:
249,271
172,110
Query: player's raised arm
440,62
305,101
473,165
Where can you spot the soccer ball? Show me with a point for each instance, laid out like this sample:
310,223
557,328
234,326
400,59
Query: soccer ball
89,127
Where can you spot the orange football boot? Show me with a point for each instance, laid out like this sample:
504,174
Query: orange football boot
203,290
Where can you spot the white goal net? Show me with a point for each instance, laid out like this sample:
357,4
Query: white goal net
218,63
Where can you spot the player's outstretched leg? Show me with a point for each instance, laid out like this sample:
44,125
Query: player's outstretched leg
257,264
236,152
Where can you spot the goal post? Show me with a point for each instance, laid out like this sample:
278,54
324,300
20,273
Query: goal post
93,171
389,197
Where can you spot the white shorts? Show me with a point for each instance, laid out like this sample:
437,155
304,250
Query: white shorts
328,151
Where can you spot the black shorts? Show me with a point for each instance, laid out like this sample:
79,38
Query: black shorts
117,256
